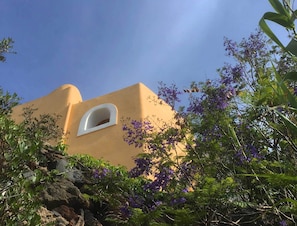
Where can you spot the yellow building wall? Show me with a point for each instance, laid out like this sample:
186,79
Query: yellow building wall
57,102
134,102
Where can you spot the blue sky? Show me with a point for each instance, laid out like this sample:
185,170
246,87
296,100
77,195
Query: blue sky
104,45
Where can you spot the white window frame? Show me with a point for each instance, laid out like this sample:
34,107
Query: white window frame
95,115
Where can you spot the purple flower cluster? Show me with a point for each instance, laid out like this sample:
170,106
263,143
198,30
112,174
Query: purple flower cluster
164,140
161,180
215,97
136,201
169,94
186,172
219,99
211,133
248,154
195,105
155,205
101,173
136,132
255,46
178,201
248,49
153,146
231,47
125,211
143,166
171,136
231,75
147,204
252,55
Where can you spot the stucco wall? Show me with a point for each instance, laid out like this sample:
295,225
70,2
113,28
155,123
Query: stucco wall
57,102
106,143
134,102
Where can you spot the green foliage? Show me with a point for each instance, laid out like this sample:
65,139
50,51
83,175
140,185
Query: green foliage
233,147
7,102
284,16
44,127
109,186
228,158
5,47
20,156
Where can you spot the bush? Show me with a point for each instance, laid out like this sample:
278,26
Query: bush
230,157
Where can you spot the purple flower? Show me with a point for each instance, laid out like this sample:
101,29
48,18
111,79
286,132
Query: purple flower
250,152
231,47
248,49
147,126
237,72
158,203
218,98
104,172
232,74
195,106
257,44
185,190
185,172
96,173
143,165
172,136
161,180
178,201
253,152
101,173
155,205
169,94
214,97
241,157
252,53
136,124
283,223
136,201
126,212
136,132
280,109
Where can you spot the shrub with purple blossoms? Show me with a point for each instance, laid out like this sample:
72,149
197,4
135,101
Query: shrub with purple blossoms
228,158
225,147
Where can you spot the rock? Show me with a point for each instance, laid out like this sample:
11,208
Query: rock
72,174
61,216
49,217
67,212
61,165
63,201
63,192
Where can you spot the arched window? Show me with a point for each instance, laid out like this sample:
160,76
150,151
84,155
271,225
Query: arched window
97,118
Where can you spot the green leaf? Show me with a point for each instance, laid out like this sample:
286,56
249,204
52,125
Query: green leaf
288,122
292,47
291,76
279,19
233,135
286,92
273,177
293,16
278,7
293,109
292,201
263,25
